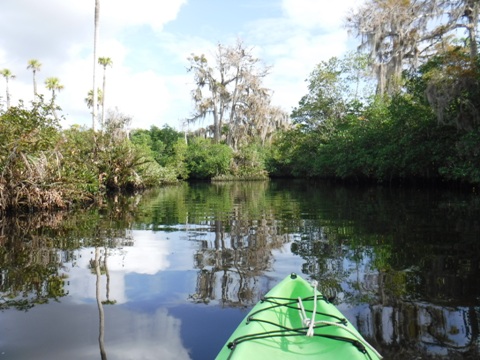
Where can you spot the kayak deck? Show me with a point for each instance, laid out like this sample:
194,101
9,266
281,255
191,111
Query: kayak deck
294,320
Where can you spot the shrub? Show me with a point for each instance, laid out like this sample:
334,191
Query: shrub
205,160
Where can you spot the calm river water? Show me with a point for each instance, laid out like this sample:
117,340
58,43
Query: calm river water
170,273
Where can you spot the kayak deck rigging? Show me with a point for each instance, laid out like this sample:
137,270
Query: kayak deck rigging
301,331
290,326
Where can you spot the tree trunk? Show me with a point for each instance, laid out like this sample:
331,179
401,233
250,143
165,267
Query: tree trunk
34,86
103,95
95,40
216,126
473,14
8,94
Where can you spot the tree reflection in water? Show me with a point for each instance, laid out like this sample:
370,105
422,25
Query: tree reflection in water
403,266
31,267
231,263
410,301
410,296
95,266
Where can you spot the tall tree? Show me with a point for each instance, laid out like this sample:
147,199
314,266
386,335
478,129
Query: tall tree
392,32
53,84
336,87
35,66
104,61
401,33
453,76
7,74
95,43
231,92
465,14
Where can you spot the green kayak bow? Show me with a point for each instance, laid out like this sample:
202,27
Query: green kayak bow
294,320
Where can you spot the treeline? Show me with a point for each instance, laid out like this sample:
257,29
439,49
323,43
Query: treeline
384,138
45,167
345,129
338,131
190,156
405,107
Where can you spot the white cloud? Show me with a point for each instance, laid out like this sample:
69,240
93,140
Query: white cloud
310,31
142,95
125,13
148,79
60,35
325,14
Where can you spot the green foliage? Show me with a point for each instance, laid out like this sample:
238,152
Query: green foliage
29,160
177,162
108,161
166,146
335,86
160,141
463,165
24,129
43,168
205,160
292,153
77,147
388,138
249,162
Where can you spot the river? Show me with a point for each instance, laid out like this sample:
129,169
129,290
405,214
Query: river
169,273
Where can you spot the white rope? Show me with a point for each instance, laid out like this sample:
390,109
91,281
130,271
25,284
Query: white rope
303,316
305,320
311,327
311,323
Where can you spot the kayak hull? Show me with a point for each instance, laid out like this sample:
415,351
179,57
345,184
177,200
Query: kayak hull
277,328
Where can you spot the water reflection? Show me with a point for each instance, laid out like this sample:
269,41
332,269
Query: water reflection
239,251
403,265
438,330
31,270
422,288
128,335
95,273
146,254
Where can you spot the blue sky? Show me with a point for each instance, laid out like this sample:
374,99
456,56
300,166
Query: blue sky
149,42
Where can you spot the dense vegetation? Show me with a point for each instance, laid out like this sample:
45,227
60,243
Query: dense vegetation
385,137
406,107
44,167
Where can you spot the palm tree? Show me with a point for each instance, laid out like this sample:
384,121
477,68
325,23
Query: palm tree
53,84
89,98
35,65
104,61
7,74
95,40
